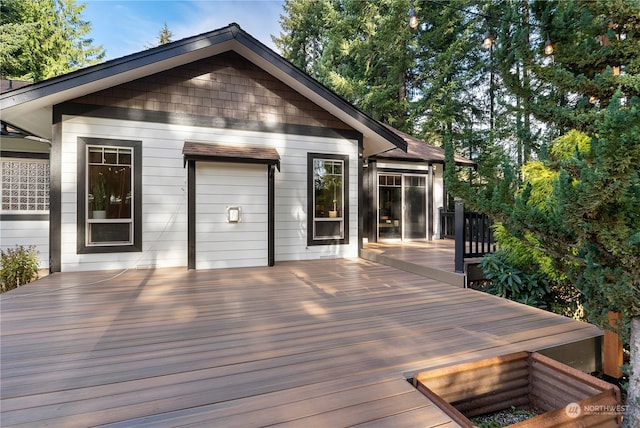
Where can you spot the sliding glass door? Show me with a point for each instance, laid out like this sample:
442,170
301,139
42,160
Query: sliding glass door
390,206
402,206
415,206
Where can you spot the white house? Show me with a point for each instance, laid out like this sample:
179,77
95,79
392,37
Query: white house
208,152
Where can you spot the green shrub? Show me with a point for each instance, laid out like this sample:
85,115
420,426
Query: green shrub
529,284
509,282
18,266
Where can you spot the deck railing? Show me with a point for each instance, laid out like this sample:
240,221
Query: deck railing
473,234
447,224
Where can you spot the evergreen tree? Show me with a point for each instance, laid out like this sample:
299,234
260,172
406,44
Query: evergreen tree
366,58
165,36
452,90
360,49
579,206
596,54
589,221
305,26
46,38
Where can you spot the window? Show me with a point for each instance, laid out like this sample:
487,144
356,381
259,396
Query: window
25,185
108,196
328,204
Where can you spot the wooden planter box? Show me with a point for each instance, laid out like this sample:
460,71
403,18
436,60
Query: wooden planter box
522,379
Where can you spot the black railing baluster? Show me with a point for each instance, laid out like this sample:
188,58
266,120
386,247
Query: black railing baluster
460,226
473,233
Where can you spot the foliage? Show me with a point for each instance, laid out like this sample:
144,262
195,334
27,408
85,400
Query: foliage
164,36
44,38
580,210
531,283
597,53
360,49
305,26
18,266
99,194
428,81
578,203
590,222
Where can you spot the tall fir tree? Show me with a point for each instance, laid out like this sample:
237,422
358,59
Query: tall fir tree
596,54
304,32
165,36
450,87
50,39
360,49
587,218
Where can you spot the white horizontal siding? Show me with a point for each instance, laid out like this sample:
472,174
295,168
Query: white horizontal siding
26,233
164,204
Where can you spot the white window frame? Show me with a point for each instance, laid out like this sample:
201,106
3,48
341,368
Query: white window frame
91,221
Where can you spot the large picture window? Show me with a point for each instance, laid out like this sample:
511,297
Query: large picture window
109,195
328,201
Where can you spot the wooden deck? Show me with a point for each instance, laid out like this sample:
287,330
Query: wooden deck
433,259
325,344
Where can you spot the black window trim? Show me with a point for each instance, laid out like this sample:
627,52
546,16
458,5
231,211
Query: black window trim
82,248
310,194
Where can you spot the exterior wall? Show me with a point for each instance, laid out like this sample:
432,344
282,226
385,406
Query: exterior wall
164,204
219,243
225,86
27,232
27,227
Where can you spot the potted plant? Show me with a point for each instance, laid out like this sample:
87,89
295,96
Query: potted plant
334,213
333,183
99,200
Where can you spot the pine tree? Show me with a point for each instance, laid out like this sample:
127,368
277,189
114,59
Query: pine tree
586,215
165,36
360,49
449,87
48,38
588,220
596,54
305,26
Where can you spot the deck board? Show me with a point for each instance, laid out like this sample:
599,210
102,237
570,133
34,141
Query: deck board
316,343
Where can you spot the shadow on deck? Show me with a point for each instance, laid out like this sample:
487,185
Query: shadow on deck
432,259
325,343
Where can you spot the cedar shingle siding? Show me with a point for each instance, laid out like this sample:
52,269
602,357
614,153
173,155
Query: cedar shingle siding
224,86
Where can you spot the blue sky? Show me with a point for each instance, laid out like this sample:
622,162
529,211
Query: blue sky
127,26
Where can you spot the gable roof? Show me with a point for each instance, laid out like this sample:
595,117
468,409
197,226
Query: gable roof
30,107
419,150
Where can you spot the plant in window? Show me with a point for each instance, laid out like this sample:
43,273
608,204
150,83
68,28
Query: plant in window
333,183
99,196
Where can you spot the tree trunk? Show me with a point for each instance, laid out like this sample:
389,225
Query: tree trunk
632,414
